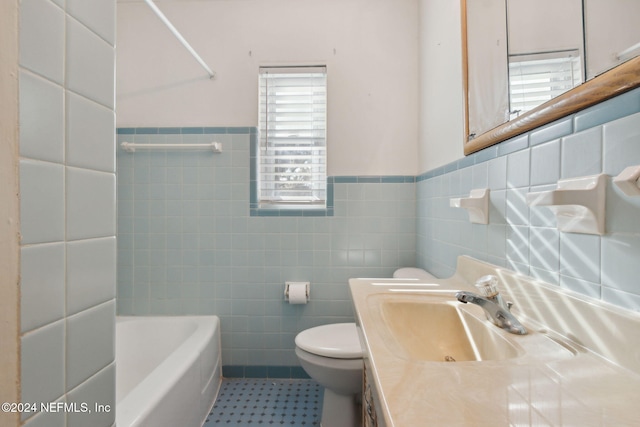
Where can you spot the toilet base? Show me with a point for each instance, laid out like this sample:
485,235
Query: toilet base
339,410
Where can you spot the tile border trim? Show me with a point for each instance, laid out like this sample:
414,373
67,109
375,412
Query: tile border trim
254,209
185,130
264,371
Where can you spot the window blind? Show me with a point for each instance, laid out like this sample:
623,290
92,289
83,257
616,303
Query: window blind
292,124
536,78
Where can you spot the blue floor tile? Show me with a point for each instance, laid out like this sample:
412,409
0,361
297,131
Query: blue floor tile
248,402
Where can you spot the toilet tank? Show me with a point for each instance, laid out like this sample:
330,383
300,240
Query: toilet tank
412,273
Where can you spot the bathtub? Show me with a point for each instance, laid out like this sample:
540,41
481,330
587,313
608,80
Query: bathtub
168,370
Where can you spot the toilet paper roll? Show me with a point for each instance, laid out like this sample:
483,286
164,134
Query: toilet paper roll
297,293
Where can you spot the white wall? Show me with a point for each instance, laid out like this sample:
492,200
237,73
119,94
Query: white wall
544,26
612,26
441,96
369,47
9,212
487,60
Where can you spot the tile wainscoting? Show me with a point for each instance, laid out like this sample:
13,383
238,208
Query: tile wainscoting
188,244
601,139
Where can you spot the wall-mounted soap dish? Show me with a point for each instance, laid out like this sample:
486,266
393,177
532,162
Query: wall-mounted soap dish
627,181
477,205
578,204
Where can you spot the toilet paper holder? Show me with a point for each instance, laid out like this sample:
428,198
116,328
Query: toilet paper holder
288,284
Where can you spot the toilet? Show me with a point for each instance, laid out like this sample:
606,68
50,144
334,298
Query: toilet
412,273
332,355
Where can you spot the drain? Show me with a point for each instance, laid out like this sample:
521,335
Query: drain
449,359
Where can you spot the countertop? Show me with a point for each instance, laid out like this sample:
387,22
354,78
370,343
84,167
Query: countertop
581,389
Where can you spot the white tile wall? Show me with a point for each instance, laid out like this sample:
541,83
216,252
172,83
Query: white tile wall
42,363
627,300
545,244
497,238
90,342
621,144
545,163
42,285
620,266
518,247
498,173
518,167
580,256
517,208
584,287
90,204
41,201
622,211
498,206
540,216
92,13
582,153
90,137
91,273
480,175
89,64
42,38
41,118
68,285
49,419
100,388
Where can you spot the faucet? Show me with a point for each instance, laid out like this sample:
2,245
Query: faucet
496,310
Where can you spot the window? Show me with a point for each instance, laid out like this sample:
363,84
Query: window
292,145
536,78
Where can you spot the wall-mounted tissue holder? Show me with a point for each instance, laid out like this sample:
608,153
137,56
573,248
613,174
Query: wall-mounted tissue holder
627,181
296,292
578,203
477,205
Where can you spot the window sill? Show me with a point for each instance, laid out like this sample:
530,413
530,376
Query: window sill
275,210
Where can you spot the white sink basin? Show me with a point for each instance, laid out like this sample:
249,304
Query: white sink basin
437,328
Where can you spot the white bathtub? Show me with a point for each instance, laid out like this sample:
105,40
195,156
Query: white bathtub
168,370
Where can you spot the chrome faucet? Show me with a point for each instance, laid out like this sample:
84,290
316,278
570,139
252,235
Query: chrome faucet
496,310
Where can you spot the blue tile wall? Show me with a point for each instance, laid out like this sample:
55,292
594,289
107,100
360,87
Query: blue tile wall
602,139
188,244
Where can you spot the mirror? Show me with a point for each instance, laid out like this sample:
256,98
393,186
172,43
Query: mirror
507,41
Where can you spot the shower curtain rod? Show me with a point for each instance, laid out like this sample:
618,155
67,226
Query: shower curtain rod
181,39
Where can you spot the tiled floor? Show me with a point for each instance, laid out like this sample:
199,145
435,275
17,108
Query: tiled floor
247,402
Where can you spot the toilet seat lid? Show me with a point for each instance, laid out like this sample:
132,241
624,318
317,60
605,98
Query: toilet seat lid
338,340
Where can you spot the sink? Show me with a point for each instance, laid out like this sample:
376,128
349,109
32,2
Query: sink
437,330
412,332
432,326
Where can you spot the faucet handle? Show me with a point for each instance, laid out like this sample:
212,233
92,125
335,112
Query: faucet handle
488,285
509,305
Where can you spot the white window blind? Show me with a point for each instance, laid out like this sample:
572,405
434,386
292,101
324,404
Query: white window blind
293,146
536,78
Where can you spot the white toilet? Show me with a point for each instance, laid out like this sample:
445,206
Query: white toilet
332,355
412,273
